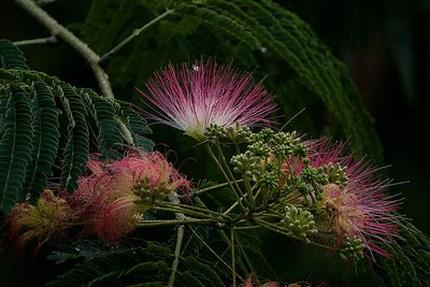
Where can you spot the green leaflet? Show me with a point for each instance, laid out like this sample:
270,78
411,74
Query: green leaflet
77,146
137,124
410,261
11,57
102,111
15,144
45,139
40,116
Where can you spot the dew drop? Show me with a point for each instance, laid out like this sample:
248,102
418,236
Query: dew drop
27,196
195,68
263,50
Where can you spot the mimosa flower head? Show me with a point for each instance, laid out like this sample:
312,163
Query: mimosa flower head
194,97
107,200
359,207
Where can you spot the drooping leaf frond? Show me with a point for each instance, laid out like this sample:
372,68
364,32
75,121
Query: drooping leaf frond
263,26
44,121
15,144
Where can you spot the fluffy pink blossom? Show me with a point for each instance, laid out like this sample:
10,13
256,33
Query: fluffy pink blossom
50,216
360,207
106,199
193,97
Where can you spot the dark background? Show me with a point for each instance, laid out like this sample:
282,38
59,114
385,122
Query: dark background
386,45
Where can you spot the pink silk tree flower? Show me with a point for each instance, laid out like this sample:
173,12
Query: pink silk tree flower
109,200
359,208
193,97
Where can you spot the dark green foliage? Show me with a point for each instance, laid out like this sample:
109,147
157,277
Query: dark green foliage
77,146
295,42
15,144
114,265
10,57
138,126
267,29
103,113
44,120
45,139
130,264
410,262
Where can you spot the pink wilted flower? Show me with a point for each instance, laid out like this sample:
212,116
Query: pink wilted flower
194,97
249,283
49,217
359,207
107,199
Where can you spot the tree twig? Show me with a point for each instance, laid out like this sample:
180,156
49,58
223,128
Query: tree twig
133,35
179,238
44,2
38,41
81,47
175,263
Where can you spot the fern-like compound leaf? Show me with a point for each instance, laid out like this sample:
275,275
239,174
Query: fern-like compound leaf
11,57
15,144
45,139
77,146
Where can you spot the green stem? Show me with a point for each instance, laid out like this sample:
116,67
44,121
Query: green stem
150,223
236,203
189,212
225,238
227,167
242,250
248,190
277,229
247,227
210,188
190,208
133,35
220,167
233,257
210,249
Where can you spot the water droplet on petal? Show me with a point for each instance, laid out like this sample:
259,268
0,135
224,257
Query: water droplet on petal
196,67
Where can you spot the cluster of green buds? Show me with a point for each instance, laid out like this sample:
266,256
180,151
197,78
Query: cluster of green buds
282,144
353,248
237,133
214,132
336,174
299,223
247,164
285,181
311,182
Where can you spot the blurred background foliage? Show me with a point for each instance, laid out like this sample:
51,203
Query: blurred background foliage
385,45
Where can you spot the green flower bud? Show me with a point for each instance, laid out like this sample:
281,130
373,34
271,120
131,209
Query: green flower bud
214,132
353,248
336,174
238,133
299,223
